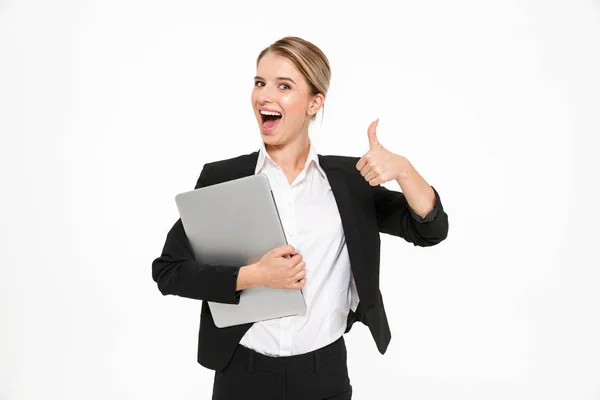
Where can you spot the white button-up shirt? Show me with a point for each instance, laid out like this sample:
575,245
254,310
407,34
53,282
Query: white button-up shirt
312,224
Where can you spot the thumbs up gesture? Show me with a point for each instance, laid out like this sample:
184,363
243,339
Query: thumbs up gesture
380,165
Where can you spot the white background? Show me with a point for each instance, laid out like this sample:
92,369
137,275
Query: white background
110,108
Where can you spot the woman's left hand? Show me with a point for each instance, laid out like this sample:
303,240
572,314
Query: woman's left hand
380,165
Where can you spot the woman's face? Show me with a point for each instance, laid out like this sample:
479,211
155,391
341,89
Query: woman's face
282,100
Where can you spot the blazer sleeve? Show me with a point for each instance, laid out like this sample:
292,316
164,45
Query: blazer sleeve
176,271
395,217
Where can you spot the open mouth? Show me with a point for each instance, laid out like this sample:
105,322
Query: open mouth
270,119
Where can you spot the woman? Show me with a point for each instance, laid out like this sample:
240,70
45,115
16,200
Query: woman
333,209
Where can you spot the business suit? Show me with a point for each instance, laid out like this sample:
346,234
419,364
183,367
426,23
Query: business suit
365,211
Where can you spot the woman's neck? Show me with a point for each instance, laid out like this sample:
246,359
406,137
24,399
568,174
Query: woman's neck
291,156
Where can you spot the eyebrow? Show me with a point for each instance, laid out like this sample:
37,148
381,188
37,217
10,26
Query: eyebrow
280,78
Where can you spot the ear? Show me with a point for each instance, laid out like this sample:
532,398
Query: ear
315,104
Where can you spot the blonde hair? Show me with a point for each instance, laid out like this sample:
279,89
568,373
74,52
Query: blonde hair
307,58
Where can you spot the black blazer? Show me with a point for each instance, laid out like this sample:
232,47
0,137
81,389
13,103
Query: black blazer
365,211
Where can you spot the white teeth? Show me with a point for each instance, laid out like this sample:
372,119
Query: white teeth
270,113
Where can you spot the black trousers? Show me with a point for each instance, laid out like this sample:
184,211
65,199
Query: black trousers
318,375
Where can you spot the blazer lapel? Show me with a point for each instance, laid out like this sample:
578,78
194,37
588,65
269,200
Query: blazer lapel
337,180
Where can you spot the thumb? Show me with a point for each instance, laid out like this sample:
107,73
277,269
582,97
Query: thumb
284,250
373,134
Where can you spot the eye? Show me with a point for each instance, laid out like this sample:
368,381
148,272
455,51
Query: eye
283,86
259,83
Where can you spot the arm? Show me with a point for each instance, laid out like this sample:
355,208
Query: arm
176,272
416,213
420,196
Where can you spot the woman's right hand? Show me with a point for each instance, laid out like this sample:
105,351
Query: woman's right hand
282,268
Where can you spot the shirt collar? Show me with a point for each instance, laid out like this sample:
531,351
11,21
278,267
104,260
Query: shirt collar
263,155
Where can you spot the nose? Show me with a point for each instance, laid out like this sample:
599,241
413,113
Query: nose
266,95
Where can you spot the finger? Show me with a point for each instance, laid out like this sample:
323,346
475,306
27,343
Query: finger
295,260
373,142
292,253
373,173
362,162
375,181
366,169
299,275
299,267
299,284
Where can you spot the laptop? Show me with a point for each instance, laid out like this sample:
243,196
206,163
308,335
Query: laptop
236,223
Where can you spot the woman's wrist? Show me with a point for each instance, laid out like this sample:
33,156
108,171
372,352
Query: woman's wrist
249,276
